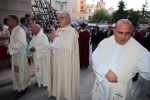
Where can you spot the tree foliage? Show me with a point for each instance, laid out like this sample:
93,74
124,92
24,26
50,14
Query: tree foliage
99,15
144,13
134,15
121,13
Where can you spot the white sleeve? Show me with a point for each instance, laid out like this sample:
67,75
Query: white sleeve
20,45
143,65
100,68
55,44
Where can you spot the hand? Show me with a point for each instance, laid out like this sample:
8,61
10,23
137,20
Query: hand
32,49
53,36
111,76
76,28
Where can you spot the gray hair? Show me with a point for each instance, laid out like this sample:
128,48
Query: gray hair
68,16
125,21
15,18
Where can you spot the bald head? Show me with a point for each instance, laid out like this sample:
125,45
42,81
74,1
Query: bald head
124,21
36,29
37,25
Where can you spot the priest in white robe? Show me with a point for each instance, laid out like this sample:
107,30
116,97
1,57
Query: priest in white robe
65,61
17,48
116,61
41,55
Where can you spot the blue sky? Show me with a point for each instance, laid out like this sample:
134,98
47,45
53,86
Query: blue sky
135,4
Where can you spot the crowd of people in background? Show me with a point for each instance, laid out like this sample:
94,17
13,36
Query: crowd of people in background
48,46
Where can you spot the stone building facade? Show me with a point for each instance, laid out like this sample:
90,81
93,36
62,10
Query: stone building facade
14,7
70,6
21,7
90,9
101,4
110,10
82,6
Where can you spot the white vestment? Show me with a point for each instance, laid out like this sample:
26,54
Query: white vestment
20,69
65,64
109,55
41,58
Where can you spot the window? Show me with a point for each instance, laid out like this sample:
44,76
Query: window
61,7
90,17
89,10
82,2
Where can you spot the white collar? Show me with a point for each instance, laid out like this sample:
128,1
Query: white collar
81,30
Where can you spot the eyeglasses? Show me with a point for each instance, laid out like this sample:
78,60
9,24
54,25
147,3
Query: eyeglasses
34,27
62,17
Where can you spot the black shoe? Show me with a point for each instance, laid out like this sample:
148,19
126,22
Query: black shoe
36,84
20,94
135,78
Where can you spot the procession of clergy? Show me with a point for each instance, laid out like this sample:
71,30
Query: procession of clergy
116,58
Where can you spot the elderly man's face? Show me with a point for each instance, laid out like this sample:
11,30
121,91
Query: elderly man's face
35,29
122,33
63,21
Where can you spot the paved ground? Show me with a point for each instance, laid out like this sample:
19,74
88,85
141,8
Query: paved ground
140,88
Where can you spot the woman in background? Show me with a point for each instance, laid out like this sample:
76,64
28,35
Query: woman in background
4,40
97,37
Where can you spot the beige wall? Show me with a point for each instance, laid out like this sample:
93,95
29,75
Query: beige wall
85,15
14,7
75,15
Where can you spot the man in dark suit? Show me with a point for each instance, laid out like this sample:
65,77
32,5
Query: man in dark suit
96,38
137,37
147,43
109,32
147,39
135,34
